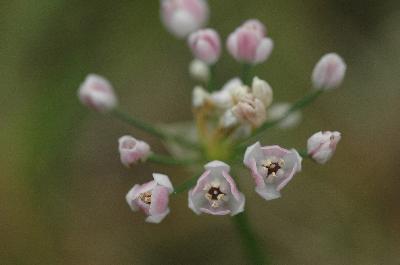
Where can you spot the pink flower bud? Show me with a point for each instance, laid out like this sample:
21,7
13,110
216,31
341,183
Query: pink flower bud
216,192
97,93
152,198
329,72
182,17
205,45
132,150
248,43
322,145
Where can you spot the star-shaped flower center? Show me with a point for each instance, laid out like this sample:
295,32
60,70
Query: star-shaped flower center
272,168
145,197
215,196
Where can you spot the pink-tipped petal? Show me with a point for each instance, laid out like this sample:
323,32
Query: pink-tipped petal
163,180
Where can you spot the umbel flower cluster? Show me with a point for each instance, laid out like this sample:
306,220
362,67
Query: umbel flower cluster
229,120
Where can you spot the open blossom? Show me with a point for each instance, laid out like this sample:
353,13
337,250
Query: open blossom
151,197
205,45
278,110
132,150
329,72
322,145
248,43
97,93
216,192
182,17
272,167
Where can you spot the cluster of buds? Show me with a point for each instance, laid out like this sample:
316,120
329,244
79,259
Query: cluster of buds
227,120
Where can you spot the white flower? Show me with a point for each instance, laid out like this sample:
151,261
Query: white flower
322,145
199,70
262,90
329,72
199,96
278,110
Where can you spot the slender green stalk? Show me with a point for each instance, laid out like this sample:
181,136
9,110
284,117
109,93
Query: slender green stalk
303,153
211,86
251,244
186,185
152,130
246,73
300,104
168,160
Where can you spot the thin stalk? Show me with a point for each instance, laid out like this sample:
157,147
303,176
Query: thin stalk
186,185
152,130
168,160
211,86
299,104
251,245
246,72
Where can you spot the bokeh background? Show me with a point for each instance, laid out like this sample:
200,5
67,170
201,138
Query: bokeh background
62,187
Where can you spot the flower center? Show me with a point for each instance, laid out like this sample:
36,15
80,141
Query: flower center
214,195
272,168
145,197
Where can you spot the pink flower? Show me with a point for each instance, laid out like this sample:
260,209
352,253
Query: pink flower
329,72
272,168
322,145
205,45
132,150
152,198
216,192
97,93
182,17
248,43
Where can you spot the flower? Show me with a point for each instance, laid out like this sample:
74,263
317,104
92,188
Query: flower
279,110
132,150
199,70
272,167
250,110
151,197
322,145
216,192
205,45
97,93
199,96
248,43
224,98
182,17
262,90
329,72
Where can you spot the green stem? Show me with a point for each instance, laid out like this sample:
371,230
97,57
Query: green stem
303,153
300,104
251,245
152,130
246,71
168,160
211,83
186,185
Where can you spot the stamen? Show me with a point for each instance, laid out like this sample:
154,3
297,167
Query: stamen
215,196
272,168
145,197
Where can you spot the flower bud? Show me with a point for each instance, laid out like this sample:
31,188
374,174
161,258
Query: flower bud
250,111
199,96
182,17
322,145
97,93
199,70
132,150
278,110
248,43
262,90
205,45
329,72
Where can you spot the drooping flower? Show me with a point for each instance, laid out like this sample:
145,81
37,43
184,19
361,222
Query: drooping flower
152,198
205,45
182,17
132,150
329,72
279,110
322,145
248,43
272,167
199,70
216,192
97,93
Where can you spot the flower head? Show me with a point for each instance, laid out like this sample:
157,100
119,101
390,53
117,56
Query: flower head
132,150
216,192
322,145
272,167
248,43
182,17
205,45
329,72
97,93
151,197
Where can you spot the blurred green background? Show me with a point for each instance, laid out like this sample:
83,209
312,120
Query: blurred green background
62,186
